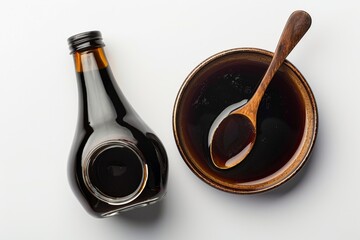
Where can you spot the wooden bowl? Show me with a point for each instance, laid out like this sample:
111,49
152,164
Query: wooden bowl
287,119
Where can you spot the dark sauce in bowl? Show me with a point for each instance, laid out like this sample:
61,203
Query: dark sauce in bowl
222,82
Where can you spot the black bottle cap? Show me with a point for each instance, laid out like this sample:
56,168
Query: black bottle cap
85,40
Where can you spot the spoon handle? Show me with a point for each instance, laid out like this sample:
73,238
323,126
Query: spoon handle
296,27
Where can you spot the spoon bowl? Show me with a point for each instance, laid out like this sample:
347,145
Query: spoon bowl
234,137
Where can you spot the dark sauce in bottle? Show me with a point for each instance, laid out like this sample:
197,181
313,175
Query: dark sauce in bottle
119,165
116,161
116,171
280,118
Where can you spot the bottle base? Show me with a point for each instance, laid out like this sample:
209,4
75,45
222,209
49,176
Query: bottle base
115,172
138,205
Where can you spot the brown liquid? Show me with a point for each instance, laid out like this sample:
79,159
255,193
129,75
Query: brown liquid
280,118
104,114
232,140
116,162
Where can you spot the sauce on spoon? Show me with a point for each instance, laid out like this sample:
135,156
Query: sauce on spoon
229,147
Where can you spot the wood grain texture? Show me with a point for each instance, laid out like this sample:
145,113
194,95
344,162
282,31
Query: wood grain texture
296,27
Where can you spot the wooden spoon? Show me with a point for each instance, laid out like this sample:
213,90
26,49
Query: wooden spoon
232,140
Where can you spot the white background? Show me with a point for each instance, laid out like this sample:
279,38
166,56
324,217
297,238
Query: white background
152,46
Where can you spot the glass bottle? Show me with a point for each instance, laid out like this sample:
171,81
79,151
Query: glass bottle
116,162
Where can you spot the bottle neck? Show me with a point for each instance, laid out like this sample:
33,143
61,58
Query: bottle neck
90,60
100,99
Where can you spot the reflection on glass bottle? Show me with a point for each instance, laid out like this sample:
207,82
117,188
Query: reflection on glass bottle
116,162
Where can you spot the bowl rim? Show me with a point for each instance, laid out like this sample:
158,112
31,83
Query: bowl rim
309,140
